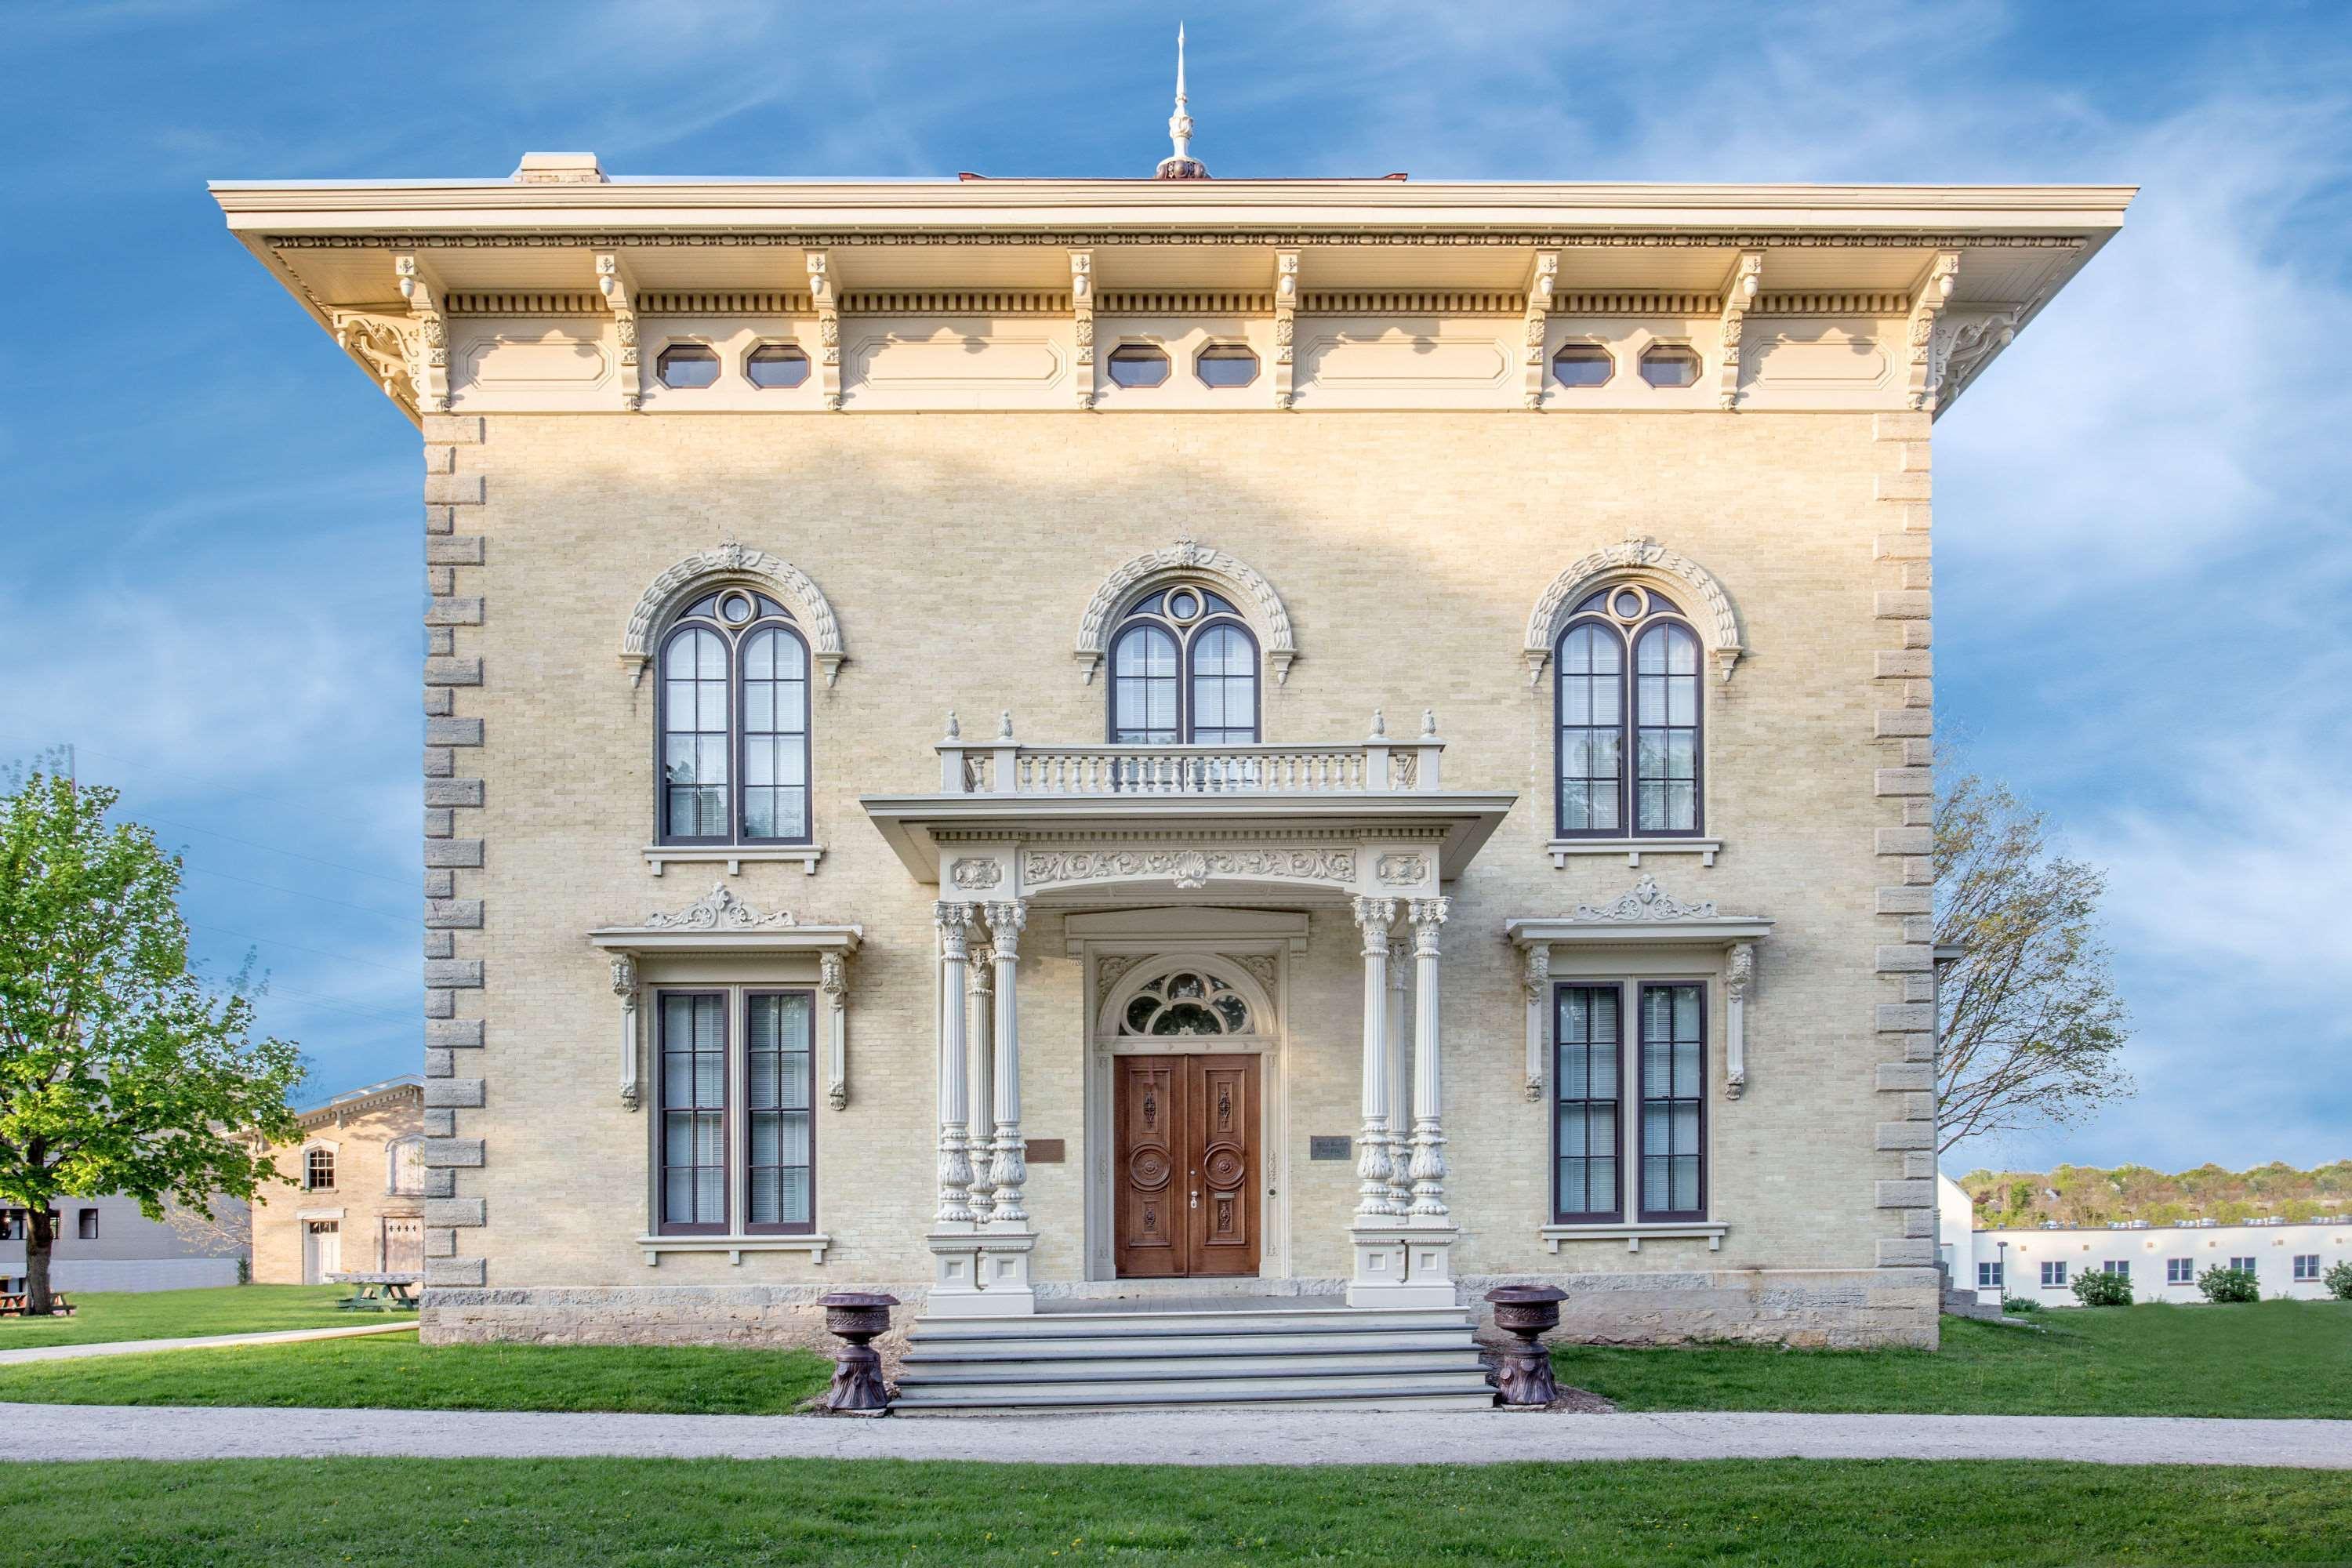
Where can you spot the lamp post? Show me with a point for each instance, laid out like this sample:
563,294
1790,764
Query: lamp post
2000,1272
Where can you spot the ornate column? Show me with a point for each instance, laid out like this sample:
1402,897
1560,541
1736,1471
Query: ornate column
1536,979
1738,971
624,986
1373,916
1428,1126
954,924
1399,1139
834,981
1009,1169
979,1039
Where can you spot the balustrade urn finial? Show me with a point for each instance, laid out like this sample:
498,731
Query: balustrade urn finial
1429,723
1380,724
955,729
1004,724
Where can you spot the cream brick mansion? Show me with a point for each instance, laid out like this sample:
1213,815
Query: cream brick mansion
1045,745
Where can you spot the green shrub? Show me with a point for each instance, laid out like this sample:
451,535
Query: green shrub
2338,1281
2020,1304
2097,1288
2224,1284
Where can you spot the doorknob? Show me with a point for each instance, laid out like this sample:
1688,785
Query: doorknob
1196,1199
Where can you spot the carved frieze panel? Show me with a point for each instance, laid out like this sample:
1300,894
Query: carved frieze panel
1189,869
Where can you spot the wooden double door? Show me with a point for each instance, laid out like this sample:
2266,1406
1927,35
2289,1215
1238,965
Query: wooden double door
1187,1166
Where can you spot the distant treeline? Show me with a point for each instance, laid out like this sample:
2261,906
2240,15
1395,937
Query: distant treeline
2089,1195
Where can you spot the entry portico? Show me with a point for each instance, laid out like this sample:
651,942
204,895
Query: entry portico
1190,856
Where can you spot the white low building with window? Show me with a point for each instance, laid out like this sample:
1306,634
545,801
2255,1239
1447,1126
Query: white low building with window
2286,1258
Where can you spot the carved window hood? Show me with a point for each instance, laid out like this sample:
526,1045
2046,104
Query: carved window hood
1646,914
721,923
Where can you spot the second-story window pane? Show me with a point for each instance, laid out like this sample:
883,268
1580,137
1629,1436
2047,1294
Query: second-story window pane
1592,733
1143,686
695,775
1666,718
1224,688
775,735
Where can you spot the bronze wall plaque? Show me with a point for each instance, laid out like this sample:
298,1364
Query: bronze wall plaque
1324,1147
1044,1151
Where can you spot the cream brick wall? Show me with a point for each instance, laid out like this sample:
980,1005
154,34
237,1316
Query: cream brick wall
959,551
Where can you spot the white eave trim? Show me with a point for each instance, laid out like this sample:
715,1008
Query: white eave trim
780,939
1720,930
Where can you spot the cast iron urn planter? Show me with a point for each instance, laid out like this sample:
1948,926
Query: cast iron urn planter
857,1316
1525,1311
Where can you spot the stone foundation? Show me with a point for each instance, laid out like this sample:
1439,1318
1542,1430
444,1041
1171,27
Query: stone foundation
1812,1308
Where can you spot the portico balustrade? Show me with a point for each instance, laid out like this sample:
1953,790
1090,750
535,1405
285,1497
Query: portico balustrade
1377,765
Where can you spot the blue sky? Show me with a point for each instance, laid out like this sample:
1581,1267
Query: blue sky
212,571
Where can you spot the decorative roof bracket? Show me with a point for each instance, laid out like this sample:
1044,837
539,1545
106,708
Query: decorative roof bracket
1082,308
1286,314
1540,281
614,281
824,295
1738,296
1920,388
428,363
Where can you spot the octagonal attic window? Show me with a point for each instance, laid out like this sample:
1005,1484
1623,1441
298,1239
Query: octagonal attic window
775,365
1670,365
1582,364
1139,364
1226,365
686,365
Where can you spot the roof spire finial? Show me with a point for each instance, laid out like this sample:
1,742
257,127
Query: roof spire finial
1181,165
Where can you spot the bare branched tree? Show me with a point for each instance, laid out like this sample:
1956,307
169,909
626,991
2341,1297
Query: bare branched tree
228,1230
2032,1023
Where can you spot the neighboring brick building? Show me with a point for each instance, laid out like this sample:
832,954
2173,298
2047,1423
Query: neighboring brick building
762,483
355,1202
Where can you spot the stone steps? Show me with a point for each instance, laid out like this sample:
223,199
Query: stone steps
1312,1357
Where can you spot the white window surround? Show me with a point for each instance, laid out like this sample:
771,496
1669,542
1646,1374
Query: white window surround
1633,1235
1646,917
659,857
687,580
1261,608
1645,562
735,1247
1706,849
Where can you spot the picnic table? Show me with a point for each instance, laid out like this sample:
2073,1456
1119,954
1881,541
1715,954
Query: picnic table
378,1293
16,1305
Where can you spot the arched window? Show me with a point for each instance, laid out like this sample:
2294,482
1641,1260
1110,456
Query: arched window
1186,1002
1183,671
734,706
1628,748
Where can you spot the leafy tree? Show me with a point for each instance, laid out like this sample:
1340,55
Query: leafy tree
2226,1285
2031,1021
121,1071
2338,1281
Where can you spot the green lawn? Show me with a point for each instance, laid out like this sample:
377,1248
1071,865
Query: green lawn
185,1314
618,1513
394,1372
2273,1358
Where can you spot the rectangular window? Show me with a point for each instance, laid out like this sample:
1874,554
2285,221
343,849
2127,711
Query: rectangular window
1674,1102
2306,1266
2244,1264
1988,1276
2121,1266
2053,1276
692,1047
1589,1054
86,1225
319,1169
779,1079
2180,1271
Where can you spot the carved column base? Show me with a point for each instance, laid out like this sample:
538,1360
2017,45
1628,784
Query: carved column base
1402,1266
981,1274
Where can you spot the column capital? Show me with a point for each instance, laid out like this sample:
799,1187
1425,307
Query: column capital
1006,920
1373,916
1428,917
955,921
